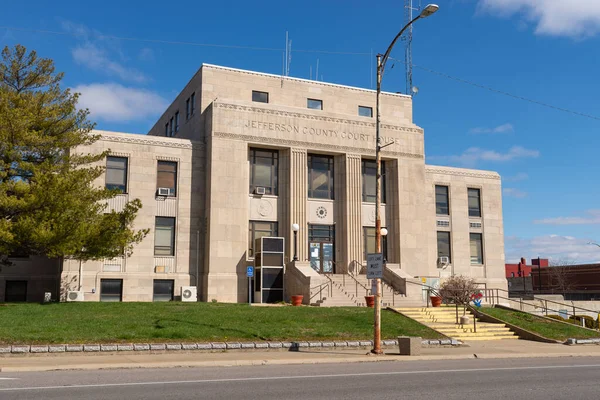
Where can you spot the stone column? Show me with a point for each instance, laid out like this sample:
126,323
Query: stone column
393,212
350,223
298,190
284,217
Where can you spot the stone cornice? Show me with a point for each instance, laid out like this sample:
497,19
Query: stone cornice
259,110
156,141
313,145
461,172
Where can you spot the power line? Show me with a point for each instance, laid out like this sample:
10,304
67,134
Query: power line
176,42
514,96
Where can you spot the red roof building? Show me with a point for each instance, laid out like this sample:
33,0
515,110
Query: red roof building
522,269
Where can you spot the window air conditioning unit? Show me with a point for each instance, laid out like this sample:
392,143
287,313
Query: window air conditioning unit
189,293
443,262
75,296
164,191
260,190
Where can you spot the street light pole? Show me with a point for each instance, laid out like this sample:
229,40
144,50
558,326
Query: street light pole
381,61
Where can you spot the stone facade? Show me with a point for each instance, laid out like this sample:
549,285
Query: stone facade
214,205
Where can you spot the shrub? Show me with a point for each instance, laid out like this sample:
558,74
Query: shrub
556,317
590,322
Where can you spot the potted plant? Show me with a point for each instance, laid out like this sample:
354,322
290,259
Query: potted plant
435,298
370,300
297,299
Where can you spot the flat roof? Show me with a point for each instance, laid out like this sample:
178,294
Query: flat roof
303,80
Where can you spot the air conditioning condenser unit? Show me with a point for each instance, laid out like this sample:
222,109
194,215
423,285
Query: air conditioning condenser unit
189,293
75,296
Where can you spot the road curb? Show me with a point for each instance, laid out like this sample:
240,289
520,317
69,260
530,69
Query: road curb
210,346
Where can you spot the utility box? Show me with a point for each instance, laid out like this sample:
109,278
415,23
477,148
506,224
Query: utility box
409,346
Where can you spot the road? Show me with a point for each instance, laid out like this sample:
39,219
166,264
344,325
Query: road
542,378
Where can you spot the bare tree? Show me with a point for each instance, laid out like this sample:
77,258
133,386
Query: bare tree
459,290
559,277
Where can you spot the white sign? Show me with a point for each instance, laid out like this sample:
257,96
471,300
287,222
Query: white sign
374,266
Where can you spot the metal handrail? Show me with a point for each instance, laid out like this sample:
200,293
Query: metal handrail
570,306
320,293
395,291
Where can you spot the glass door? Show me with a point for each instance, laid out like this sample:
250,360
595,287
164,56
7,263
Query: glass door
315,256
321,246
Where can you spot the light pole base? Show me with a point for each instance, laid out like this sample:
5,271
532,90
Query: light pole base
375,352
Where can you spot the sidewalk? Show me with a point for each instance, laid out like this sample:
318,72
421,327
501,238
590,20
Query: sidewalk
492,349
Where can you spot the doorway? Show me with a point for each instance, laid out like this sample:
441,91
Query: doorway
321,247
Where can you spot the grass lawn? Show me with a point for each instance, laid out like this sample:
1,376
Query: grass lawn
549,329
201,322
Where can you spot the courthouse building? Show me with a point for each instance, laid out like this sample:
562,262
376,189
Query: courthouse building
241,155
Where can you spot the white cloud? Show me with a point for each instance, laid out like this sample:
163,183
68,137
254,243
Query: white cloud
97,59
512,192
473,155
114,102
521,176
554,247
591,217
101,53
571,18
505,128
146,54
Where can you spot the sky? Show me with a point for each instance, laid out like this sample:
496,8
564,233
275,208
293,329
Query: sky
504,85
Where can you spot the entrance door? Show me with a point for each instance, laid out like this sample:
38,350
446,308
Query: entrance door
322,248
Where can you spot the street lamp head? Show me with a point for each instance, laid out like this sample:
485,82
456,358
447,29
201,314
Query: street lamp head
429,10
383,232
295,227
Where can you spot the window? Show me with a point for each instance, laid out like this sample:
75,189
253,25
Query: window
442,200
111,290
369,181
116,173
167,129
443,245
166,176
315,104
177,121
264,167
365,111
193,103
474,202
15,291
258,229
476,248
369,242
171,127
187,109
320,177
163,290
164,236
260,97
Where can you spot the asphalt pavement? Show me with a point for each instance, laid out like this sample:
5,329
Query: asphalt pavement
515,378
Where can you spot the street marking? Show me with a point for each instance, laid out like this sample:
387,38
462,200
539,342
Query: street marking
269,378
8,379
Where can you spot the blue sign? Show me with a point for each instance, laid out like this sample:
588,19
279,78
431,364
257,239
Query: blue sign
249,272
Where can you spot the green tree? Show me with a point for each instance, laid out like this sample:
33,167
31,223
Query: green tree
49,204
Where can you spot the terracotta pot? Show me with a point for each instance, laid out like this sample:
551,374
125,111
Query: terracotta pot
370,301
436,301
297,300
